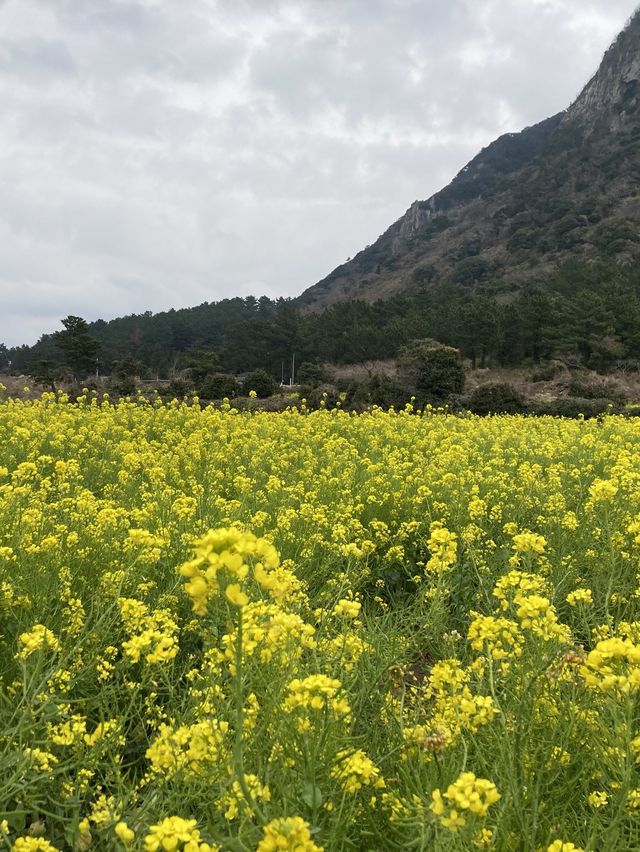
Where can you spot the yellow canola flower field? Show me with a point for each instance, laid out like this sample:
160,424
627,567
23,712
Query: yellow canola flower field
307,631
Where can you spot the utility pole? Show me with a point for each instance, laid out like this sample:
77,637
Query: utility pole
293,369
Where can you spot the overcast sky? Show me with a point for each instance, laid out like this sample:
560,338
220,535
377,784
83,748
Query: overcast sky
162,153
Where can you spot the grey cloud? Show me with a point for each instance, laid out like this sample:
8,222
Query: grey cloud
37,59
130,16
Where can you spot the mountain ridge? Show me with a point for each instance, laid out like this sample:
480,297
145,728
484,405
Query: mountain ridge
488,228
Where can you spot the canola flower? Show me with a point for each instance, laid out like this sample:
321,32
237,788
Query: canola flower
290,834
443,549
528,542
580,596
501,637
466,796
176,833
152,634
613,665
236,801
270,633
354,770
226,554
246,630
314,695
347,608
316,692
598,799
36,638
190,749
125,834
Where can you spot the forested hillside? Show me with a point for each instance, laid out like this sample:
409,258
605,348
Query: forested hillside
586,311
565,189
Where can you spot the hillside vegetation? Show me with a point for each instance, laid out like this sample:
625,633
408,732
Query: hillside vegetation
588,313
567,188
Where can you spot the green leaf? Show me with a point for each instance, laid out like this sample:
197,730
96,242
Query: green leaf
312,795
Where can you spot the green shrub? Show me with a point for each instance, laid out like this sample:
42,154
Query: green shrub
471,269
496,398
380,390
177,388
571,406
357,396
219,386
430,371
122,387
311,374
124,374
315,396
596,389
261,382
546,372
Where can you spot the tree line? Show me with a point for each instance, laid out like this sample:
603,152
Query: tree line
586,311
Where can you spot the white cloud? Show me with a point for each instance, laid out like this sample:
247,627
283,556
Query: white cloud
157,154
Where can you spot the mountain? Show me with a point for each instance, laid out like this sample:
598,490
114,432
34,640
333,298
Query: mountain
567,188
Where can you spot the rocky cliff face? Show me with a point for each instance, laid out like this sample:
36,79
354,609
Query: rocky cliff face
611,99
566,187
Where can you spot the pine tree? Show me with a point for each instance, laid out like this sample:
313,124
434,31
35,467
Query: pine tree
79,348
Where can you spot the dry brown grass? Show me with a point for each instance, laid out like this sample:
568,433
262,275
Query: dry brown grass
626,384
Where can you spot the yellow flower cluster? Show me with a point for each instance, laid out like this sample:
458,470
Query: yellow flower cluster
35,639
602,490
467,794
346,649
500,637
633,799
176,833
192,749
152,634
33,844
315,693
455,707
517,583
223,556
125,834
103,811
520,592
44,761
528,542
613,666
598,799
580,596
271,634
290,834
68,731
235,803
538,615
443,549
354,770
347,608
